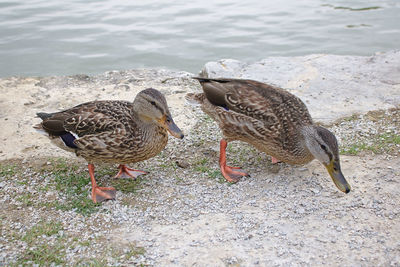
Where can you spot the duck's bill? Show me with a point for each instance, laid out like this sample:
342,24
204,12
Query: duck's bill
172,128
337,177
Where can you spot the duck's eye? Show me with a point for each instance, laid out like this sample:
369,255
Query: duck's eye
323,147
153,103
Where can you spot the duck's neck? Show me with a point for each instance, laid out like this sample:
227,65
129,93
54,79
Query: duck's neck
308,141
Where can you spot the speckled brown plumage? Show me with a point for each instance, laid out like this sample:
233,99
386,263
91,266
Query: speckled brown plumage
109,131
113,131
263,115
267,117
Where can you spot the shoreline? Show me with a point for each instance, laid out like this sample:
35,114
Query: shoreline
330,88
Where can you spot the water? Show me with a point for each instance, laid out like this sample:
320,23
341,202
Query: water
54,37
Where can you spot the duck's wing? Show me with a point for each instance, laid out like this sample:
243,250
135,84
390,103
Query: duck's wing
89,118
253,98
241,96
90,121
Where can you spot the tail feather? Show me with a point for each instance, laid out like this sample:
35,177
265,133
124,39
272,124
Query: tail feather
205,80
44,115
215,90
39,129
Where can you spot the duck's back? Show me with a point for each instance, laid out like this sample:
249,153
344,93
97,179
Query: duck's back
254,98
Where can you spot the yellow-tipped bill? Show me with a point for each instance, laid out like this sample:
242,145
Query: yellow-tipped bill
337,176
171,127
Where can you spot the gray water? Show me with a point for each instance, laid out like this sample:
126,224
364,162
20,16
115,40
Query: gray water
54,37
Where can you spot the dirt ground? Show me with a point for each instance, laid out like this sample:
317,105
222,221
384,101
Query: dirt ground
183,213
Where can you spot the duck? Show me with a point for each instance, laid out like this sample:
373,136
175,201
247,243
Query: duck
272,120
112,131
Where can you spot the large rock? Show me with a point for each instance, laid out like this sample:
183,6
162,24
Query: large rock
331,86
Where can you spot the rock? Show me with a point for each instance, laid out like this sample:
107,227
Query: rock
182,163
332,86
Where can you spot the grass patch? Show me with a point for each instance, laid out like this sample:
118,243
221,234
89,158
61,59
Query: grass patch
42,228
134,251
26,199
390,138
380,144
7,170
40,251
81,204
203,166
71,182
354,149
127,252
126,185
43,255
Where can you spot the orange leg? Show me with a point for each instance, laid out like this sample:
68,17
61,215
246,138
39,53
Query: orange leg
99,194
126,172
228,172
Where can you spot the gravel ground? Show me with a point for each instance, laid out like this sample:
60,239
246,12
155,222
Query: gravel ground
183,213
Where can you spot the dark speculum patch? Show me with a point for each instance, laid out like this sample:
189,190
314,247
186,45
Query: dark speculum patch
68,140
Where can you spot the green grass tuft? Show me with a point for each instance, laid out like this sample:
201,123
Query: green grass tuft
134,251
43,255
126,185
127,252
39,250
354,149
380,144
26,199
40,229
8,170
72,183
388,138
203,166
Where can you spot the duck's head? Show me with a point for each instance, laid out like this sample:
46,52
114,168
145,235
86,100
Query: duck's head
324,147
151,106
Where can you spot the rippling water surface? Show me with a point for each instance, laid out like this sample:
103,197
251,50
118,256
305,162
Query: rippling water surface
69,37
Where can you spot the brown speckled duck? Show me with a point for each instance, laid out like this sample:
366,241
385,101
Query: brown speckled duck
113,131
272,120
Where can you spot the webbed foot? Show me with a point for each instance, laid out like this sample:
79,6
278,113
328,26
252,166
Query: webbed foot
126,172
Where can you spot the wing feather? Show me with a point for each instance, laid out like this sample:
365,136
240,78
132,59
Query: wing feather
266,107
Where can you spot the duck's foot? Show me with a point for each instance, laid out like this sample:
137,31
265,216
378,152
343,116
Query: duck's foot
233,174
274,160
126,172
100,194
